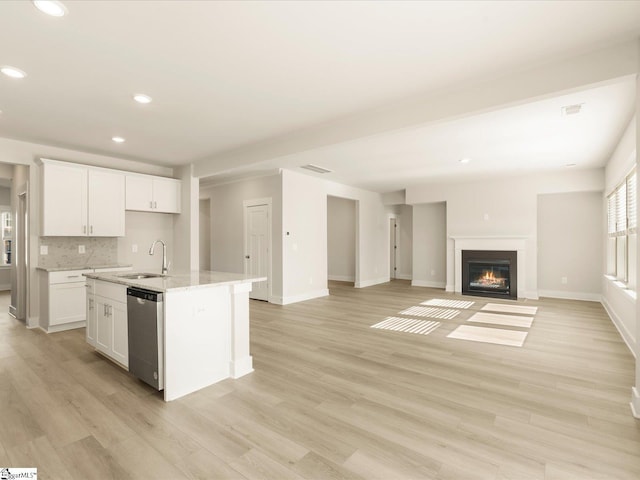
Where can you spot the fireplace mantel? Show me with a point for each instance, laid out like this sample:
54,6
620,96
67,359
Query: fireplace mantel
503,242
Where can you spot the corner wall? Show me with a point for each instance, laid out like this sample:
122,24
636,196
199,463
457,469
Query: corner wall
227,225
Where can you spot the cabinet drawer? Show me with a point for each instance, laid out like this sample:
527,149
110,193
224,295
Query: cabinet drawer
69,276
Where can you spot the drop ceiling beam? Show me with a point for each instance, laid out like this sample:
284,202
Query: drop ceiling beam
535,83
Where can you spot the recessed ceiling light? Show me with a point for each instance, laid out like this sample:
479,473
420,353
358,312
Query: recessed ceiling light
117,139
465,160
142,98
12,72
51,7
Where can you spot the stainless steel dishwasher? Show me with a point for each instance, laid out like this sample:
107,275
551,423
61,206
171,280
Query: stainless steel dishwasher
146,335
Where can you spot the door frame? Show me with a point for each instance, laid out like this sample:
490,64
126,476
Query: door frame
256,202
396,219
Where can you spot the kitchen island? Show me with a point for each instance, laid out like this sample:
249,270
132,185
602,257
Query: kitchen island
205,325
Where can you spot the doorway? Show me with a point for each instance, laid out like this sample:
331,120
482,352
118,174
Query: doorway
18,307
257,246
341,239
393,248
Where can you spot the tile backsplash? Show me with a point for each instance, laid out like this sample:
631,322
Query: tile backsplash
63,251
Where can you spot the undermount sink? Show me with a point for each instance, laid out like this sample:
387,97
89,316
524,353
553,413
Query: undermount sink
140,276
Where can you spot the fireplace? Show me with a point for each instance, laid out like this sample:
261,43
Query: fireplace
490,273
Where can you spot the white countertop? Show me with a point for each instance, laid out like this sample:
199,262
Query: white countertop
177,280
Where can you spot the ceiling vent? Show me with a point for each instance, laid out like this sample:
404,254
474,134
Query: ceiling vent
316,168
572,109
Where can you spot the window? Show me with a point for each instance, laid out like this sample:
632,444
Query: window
621,229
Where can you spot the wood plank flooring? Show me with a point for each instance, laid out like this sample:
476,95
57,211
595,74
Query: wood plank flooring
332,398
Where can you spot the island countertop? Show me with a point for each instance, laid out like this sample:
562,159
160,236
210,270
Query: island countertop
179,280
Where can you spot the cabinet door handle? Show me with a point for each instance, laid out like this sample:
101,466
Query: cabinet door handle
84,229
73,276
92,229
150,204
155,204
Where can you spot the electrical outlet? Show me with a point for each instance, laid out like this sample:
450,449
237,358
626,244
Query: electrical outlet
81,249
486,216
433,273
44,250
564,280
134,248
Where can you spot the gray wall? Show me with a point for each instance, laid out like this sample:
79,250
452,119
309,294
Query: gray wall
341,239
430,245
227,224
570,245
205,234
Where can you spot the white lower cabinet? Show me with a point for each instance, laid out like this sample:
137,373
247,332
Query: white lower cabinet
111,327
63,304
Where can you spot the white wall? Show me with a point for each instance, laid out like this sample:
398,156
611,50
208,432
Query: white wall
570,245
620,305
341,239
430,245
227,225
304,243
186,224
500,207
142,229
304,248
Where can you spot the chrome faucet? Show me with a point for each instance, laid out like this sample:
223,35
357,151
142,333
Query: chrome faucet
165,269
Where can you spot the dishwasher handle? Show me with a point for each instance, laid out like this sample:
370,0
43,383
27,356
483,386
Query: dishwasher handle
143,295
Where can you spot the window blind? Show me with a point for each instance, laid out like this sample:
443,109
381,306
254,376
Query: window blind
631,203
621,209
611,214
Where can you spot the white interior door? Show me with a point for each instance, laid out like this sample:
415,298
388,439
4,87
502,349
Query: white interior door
257,252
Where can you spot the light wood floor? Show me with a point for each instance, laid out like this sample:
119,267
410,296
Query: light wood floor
332,398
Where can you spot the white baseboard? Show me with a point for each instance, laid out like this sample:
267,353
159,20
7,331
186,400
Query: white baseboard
241,367
66,326
5,286
635,402
341,278
404,276
620,326
449,288
299,298
369,283
531,294
423,283
587,297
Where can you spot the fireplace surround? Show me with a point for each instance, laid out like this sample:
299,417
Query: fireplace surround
518,243
490,273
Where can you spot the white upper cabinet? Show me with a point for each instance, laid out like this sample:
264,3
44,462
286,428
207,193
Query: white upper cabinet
106,196
80,201
146,193
64,200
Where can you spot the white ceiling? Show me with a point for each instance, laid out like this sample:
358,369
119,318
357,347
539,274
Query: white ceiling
225,75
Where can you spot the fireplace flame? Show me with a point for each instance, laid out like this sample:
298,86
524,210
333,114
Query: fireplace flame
488,278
